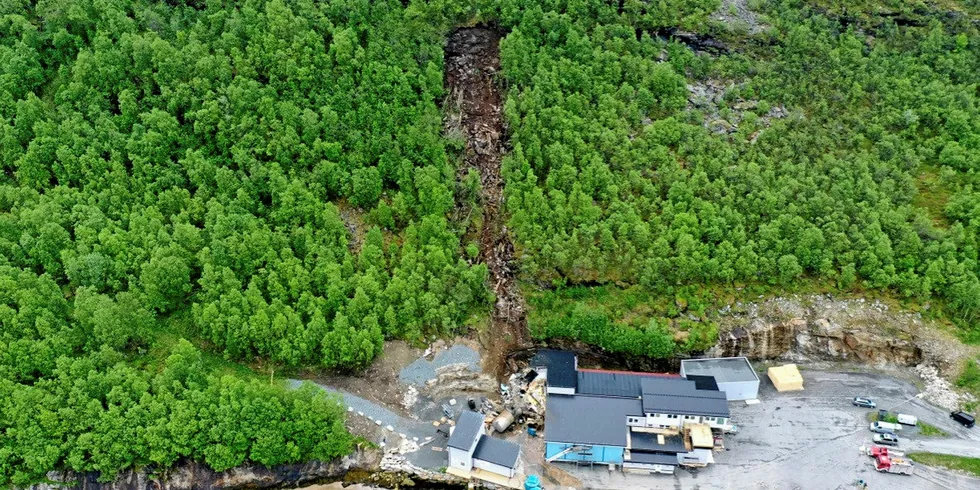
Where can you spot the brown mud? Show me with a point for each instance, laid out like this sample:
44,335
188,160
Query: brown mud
472,62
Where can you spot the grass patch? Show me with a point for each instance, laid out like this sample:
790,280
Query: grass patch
931,430
933,195
969,380
179,325
873,417
969,465
970,377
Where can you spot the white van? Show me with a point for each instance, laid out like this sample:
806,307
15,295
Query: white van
907,419
882,427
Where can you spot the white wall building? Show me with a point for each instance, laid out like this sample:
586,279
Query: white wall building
470,448
734,375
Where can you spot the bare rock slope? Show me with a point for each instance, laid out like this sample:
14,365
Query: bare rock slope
823,328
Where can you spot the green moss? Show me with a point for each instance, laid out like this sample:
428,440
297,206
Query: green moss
931,430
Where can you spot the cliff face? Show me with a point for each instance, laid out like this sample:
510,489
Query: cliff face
827,329
195,476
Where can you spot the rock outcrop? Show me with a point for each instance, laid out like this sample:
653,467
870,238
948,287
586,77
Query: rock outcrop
192,476
823,328
363,466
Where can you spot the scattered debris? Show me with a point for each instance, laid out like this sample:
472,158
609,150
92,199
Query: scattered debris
472,61
939,391
410,398
502,422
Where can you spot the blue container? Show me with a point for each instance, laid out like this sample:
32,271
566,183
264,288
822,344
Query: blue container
531,431
532,483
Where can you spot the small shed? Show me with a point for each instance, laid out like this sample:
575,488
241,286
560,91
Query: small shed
733,375
496,456
786,378
464,438
470,449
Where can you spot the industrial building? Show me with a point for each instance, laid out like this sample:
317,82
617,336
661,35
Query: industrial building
472,451
733,375
640,422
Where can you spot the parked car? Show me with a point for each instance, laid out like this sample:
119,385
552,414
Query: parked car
964,418
887,439
908,419
863,402
884,427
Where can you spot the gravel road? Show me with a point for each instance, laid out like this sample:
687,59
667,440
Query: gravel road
375,412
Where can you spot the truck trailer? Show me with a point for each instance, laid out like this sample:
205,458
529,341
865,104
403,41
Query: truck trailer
875,451
888,464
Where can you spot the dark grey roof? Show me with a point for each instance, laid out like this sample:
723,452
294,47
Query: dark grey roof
497,452
724,369
608,384
468,426
560,365
681,396
644,441
686,405
703,382
675,387
652,458
580,419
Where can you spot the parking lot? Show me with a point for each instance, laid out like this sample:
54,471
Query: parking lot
810,440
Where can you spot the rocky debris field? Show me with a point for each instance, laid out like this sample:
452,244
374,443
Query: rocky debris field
475,102
939,391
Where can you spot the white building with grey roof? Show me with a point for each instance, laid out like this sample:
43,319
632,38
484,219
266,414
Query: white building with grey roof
470,448
734,375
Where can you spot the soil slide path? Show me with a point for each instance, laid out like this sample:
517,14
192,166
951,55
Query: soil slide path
472,62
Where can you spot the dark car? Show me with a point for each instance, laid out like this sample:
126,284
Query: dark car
887,439
863,402
964,418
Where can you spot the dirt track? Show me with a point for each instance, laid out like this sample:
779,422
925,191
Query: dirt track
472,61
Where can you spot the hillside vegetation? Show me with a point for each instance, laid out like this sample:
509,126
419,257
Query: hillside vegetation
841,151
267,177
191,189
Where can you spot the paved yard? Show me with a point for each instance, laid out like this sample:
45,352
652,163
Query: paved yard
810,440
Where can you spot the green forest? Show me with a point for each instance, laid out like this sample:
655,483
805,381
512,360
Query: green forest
196,192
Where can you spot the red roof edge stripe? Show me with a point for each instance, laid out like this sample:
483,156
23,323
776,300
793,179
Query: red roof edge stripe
636,373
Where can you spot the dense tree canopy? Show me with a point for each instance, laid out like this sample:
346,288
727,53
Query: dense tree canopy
269,179
616,177
270,172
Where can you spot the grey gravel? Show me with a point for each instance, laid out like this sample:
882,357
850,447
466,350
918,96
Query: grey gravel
375,412
422,370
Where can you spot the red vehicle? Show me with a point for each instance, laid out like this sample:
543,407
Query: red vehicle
875,451
888,464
